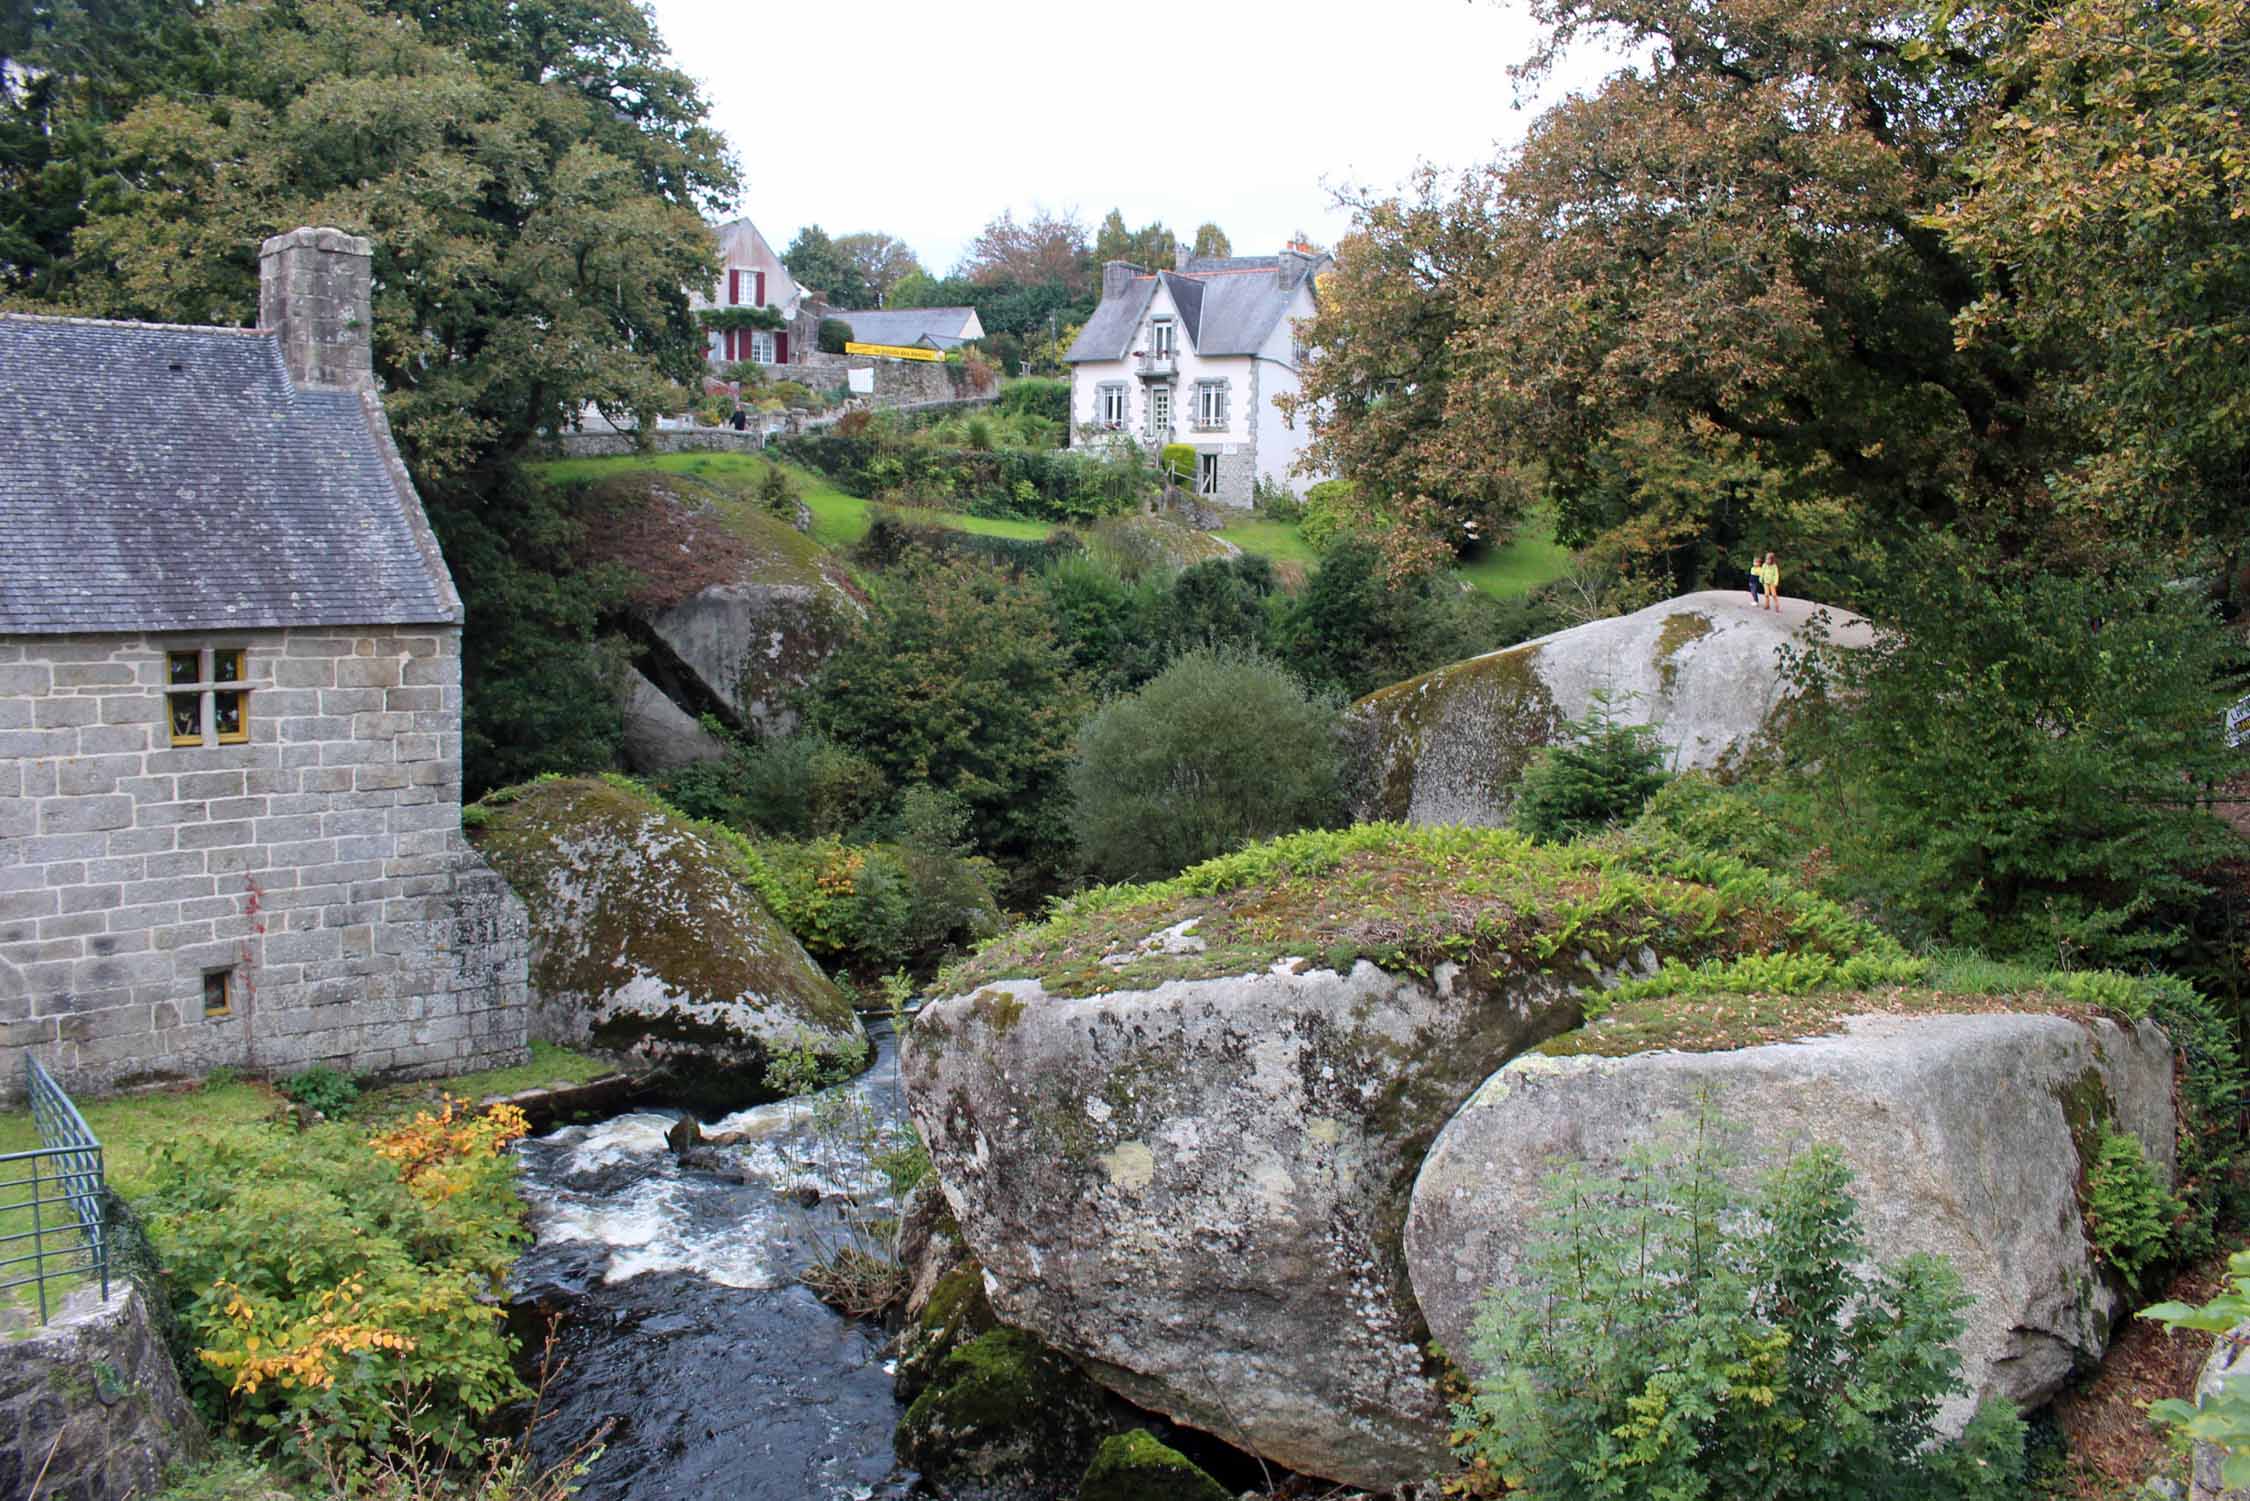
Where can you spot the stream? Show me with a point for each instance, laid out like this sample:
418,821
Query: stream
681,1317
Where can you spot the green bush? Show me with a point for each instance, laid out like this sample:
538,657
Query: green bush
2025,765
1601,773
957,681
1697,811
1063,485
323,1089
1355,627
1678,1338
2223,1418
875,908
832,336
1220,749
2129,1213
1178,462
320,1274
1327,512
794,786
1048,400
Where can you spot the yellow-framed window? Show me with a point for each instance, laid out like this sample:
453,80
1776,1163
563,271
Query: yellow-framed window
204,690
218,992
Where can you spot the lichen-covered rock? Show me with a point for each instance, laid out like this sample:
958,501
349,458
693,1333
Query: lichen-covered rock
945,1302
1967,1137
659,734
1704,669
90,1402
646,942
1178,1124
1138,1466
1005,1413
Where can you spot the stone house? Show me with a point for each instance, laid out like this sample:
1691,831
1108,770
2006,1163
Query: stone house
752,276
913,327
1199,355
230,708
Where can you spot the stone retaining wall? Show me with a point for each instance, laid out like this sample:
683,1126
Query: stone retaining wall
93,1398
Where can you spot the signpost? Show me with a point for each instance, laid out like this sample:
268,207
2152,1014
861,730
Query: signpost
2238,725
895,351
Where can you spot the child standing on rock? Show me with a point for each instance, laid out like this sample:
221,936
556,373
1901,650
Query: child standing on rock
1769,574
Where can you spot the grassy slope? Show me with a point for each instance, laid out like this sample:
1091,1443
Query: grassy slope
1532,559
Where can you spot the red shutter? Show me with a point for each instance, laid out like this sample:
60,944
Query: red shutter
781,349
761,289
733,336
734,287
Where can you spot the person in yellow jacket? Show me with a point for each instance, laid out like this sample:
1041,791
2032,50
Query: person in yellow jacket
1769,574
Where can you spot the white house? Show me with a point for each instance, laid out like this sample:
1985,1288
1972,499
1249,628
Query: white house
752,276
1199,355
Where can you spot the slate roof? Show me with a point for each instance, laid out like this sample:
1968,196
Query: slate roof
161,478
1228,305
907,326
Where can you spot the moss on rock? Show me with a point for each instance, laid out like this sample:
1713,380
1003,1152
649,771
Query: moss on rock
1137,1466
1496,703
1004,1410
647,941
956,1314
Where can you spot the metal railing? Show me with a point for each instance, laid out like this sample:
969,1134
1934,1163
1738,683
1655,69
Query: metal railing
51,1200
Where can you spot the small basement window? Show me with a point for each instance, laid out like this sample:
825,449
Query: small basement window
204,690
218,992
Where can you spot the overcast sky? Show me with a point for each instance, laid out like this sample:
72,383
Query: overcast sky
926,120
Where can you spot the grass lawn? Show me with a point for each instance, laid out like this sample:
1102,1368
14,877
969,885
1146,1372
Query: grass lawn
133,1128
839,520
1277,540
1532,559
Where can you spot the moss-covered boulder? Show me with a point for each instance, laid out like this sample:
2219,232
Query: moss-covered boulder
945,1302
739,606
1969,1137
1005,1413
645,941
1138,1466
1179,1124
1705,670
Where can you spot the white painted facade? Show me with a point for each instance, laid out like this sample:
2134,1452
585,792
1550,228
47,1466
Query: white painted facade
751,275
1252,441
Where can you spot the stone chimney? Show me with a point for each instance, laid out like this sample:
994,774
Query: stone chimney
1117,276
1294,263
1181,255
314,287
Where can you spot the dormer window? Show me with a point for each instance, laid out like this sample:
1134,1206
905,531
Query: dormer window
1160,344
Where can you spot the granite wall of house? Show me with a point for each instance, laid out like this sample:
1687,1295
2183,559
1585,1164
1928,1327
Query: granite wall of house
90,1406
318,866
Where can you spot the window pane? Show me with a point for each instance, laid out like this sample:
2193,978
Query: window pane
226,667
226,716
216,999
184,667
187,716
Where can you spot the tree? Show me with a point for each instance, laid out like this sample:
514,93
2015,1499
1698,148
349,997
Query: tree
1212,241
2109,209
2028,769
1153,246
1703,303
1049,250
1220,749
1356,626
1602,772
1676,1337
533,240
821,264
957,681
880,261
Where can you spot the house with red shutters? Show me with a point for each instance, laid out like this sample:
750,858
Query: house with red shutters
760,313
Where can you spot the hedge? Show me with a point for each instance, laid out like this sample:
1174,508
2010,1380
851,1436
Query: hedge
1030,484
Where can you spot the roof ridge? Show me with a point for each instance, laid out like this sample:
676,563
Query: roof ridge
174,328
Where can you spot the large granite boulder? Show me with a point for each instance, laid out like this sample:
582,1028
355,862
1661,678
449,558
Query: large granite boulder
1967,1136
1704,669
646,942
1179,1124
659,734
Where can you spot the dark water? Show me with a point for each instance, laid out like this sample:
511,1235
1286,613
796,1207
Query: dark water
681,1317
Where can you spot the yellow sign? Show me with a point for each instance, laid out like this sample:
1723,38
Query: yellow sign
894,351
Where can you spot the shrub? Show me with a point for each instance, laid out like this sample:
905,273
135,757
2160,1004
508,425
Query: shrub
319,1273
1064,486
957,680
1109,626
1603,772
2129,1213
832,335
794,786
1327,512
874,908
1697,812
2025,766
1048,400
2223,1418
790,393
1677,1338
1356,628
777,492
1272,500
1222,748
1178,461
323,1089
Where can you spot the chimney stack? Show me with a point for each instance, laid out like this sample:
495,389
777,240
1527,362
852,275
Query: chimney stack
1293,264
314,287
1117,276
1181,255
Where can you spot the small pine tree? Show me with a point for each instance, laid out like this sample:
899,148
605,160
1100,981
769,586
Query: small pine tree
777,492
1604,772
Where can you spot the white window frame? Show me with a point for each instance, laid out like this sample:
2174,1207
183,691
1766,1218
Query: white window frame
1206,474
1109,405
1162,339
761,353
1211,405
